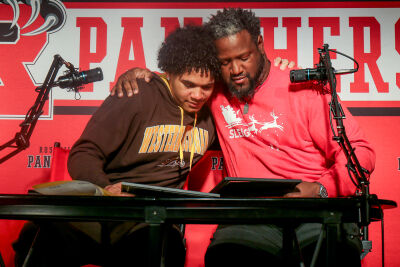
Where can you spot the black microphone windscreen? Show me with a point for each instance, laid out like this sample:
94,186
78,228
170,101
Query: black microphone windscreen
298,76
93,75
303,75
76,79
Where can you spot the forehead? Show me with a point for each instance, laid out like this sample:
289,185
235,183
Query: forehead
235,44
197,77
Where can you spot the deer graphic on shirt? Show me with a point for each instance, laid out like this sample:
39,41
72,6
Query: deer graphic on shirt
232,120
271,124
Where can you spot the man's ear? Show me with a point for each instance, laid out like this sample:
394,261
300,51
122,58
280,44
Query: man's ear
260,44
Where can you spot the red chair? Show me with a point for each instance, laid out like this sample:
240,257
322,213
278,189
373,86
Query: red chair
58,170
207,173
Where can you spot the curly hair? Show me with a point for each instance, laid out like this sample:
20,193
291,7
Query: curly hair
188,49
233,20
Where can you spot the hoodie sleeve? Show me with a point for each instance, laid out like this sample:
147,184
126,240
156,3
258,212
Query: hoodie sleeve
102,137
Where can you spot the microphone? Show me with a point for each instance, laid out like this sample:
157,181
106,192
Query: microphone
303,75
76,79
317,74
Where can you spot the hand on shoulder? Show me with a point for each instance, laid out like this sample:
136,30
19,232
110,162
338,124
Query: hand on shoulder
127,82
283,63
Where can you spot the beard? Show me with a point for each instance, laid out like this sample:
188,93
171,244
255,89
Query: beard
248,92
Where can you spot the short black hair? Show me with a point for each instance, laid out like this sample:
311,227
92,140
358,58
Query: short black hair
188,49
231,21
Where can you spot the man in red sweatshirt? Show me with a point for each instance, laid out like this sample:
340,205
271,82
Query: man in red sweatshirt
270,128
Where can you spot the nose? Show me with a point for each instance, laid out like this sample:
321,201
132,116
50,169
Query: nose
236,68
197,94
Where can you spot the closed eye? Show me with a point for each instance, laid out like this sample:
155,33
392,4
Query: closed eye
224,62
245,57
208,87
188,84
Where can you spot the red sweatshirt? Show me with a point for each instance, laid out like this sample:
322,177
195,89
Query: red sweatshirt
286,134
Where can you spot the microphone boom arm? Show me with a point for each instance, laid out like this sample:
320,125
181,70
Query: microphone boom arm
353,165
21,140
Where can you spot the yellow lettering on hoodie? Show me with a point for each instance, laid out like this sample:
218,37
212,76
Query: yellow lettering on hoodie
146,140
166,138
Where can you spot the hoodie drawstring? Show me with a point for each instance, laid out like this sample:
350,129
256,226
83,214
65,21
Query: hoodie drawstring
192,146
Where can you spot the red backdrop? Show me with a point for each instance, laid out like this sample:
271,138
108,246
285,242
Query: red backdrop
118,36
